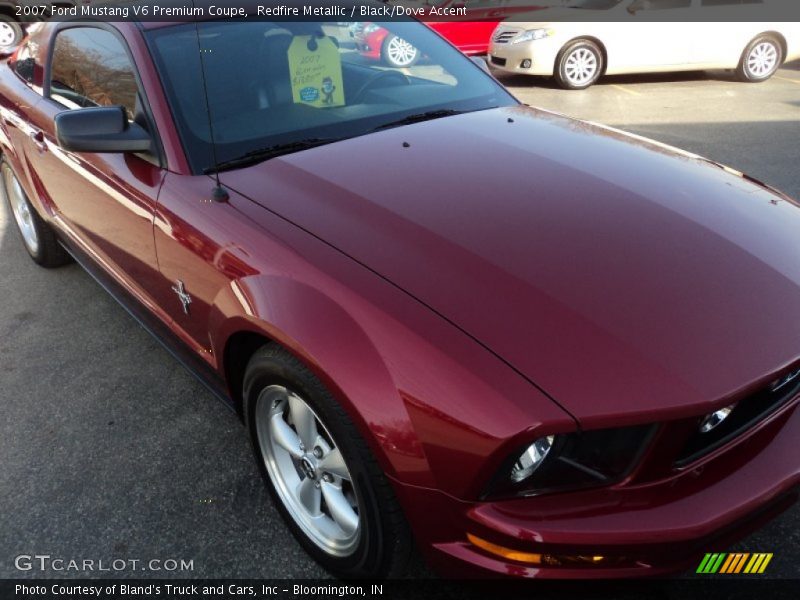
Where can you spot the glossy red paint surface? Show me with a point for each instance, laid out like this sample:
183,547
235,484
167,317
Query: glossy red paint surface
649,528
471,37
550,256
568,275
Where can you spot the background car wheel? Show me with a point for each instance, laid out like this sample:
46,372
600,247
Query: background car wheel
762,57
579,65
11,34
397,52
320,472
39,239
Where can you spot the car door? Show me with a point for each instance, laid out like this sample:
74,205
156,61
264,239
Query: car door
104,202
650,36
727,29
20,97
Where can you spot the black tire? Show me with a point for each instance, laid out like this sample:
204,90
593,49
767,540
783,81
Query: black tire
48,251
17,34
385,543
749,72
389,59
573,49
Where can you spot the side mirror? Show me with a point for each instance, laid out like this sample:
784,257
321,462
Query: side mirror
103,129
481,62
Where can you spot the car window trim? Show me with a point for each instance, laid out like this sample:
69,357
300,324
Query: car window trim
158,153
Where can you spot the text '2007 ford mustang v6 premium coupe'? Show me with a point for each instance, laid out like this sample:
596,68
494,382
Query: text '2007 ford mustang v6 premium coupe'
574,353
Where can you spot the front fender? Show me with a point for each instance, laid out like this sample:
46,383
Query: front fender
320,332
437,410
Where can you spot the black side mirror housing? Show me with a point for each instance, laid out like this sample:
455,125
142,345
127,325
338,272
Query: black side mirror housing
102,129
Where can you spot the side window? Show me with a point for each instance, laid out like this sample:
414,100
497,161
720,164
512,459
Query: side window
90,67
25,61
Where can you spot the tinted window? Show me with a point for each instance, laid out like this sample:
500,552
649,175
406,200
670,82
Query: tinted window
275,83
25,62
92,68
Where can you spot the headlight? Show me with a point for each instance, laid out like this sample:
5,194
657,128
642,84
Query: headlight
571,461
713,420
530,460
531,35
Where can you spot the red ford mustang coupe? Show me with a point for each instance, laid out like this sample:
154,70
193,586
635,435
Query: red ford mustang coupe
574,353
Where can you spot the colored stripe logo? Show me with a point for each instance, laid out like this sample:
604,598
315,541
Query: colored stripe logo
734,563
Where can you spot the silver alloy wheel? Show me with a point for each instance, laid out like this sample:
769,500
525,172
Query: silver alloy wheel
308,470
8,35
762,59
581,66
21,209
401,52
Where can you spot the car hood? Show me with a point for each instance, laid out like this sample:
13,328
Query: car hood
626,279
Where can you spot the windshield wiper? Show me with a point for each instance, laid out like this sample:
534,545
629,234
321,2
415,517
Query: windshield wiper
261,154
419,117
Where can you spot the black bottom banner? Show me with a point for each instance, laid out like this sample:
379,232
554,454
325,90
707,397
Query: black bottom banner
176,589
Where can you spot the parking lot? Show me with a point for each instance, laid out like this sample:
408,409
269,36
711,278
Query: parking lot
752,127
110,449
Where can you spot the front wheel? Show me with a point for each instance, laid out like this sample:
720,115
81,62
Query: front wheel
578,65
762,57
320,472
398,53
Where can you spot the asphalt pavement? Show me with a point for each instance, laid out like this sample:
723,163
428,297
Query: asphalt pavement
109,449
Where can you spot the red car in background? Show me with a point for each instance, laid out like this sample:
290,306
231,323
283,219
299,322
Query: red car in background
470,33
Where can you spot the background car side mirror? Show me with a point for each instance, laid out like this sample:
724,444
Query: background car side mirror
102,129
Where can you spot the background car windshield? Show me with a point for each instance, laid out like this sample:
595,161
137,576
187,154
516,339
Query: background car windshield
276,83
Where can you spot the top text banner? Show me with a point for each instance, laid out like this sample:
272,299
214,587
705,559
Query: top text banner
425,10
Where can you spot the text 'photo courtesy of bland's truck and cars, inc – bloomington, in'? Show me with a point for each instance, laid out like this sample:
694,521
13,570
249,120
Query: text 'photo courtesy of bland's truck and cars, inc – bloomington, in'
471,321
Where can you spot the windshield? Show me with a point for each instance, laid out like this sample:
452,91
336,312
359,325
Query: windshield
279,87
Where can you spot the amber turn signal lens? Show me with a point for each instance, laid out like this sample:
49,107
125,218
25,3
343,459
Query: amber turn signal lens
550,560
507,553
